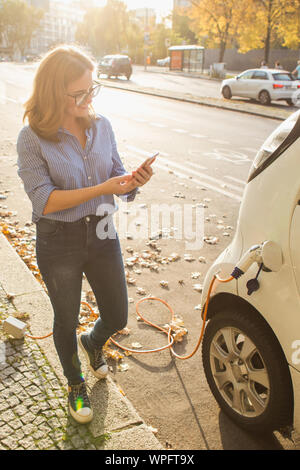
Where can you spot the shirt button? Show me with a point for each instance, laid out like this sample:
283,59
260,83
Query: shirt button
89,177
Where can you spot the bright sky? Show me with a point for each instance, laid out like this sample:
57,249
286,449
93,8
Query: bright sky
162,7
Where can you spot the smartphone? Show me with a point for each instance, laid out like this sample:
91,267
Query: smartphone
149,160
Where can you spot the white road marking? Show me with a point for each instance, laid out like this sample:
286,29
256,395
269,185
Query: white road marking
198,136
180,131
164,154
228,155
139,119
157,124
236,180
174,119
137,150
10,82
249,149
221,142
11,100
196,165
167,165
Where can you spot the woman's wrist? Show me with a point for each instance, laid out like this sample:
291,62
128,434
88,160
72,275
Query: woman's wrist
102,189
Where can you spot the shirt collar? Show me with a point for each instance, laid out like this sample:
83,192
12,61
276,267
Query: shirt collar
87,130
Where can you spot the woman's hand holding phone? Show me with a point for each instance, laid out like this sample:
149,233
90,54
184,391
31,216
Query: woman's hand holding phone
126,183
144,172
118,185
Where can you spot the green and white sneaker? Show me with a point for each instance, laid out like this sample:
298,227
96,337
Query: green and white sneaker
79,403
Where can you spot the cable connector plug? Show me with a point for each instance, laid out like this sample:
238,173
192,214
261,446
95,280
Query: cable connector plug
237,273
253,255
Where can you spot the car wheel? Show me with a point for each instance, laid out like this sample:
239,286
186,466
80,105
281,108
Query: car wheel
247,371
226,92
264,97
290,102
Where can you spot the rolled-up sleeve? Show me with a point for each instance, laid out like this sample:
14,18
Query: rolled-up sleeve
118,167
33,171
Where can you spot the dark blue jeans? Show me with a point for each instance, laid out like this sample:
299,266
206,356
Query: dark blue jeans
64,251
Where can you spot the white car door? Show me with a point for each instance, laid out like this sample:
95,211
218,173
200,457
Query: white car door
243,83
259,82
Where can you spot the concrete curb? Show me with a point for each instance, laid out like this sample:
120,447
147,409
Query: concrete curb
249,108
113,412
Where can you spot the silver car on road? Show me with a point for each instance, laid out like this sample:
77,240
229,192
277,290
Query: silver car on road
264,85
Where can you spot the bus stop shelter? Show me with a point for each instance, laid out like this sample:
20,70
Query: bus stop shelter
187,58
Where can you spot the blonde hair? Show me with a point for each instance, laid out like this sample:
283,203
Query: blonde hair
45,108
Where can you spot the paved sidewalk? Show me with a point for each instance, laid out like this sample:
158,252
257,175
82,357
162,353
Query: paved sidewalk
166,71
33,397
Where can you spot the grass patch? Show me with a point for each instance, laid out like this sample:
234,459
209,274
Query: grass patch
100,441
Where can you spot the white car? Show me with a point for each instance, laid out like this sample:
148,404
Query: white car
163,62
264,85
251,344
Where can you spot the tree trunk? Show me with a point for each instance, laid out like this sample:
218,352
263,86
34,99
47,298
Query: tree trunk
267,44
268,36
222,51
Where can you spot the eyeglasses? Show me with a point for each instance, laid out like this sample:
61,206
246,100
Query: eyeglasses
80,98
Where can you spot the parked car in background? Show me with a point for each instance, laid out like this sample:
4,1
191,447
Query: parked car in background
264,85
115,65
163,62
32,58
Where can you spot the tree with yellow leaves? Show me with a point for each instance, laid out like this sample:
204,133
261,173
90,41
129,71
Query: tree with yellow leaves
248,24
263,21
289,27
217,21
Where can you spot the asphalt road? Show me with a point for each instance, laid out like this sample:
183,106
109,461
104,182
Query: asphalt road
205,157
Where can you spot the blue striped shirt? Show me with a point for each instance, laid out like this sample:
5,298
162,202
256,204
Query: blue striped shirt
44,166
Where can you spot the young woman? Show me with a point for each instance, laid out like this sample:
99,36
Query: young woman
71,170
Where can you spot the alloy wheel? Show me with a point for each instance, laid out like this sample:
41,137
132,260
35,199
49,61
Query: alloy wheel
239,372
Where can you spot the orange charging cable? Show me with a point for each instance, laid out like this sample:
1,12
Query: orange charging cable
50,334
168,332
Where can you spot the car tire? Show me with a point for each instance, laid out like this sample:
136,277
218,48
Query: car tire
290,102
226,92
264,97
259,372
